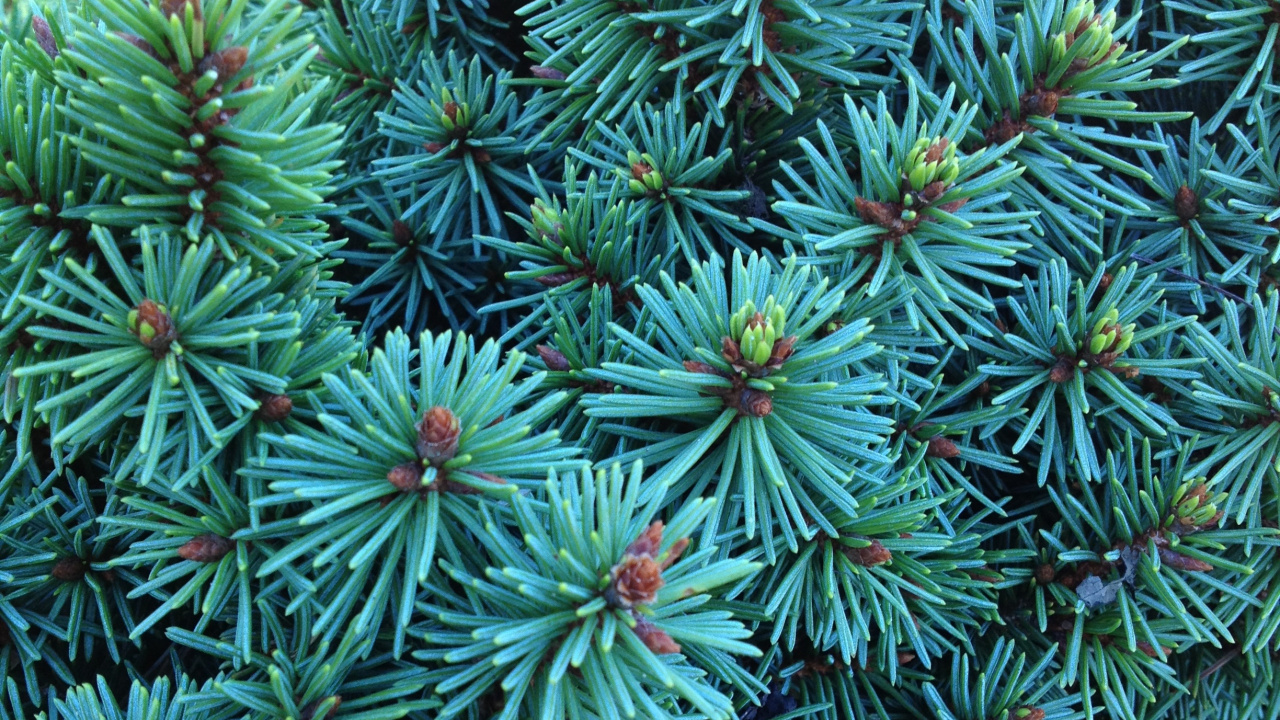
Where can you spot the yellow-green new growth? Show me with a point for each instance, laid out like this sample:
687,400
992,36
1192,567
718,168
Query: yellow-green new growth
1108,336
642,176
930,160
756,331
453,115
546,220
1192,506
1090,38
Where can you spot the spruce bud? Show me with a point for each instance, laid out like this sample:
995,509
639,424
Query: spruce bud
69,569
207,548
274,408
151,323
438,433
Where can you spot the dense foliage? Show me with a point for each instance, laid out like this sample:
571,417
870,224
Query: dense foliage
661,359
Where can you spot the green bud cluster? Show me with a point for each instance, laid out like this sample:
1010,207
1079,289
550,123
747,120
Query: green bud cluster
642,176
756,331
1108,336
1192,506
1089,37
547,223
453,115
931,160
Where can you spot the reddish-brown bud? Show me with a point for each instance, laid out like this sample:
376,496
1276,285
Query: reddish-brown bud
1043,103
1027,713
554,359
649,541
44,36
208,548
1045,573
1151,651
702,368
401,233
937,151
178,7
639,170
755,403
137,42
654,638
877,213
438,433
546,73
1185,203
635,581
69,569
874,554
309,712
1062,371
226,62
406,477
433,147
274,408
154,328
941,447
1178,561
905,656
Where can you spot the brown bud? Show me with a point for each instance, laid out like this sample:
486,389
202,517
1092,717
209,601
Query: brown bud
406,477
755,403
1185,203
1045,573
208,548
69,569
701,368
1178,561
730,351
782,350
226,62
309,712
1027,713
1043,103
639,170
874,554
933,191
638,577
554,359
635,581
433,147
274,408
438,433
178,7
649,541
1062,371
137,42
654,638
451,110
154,328
44,36
905,656
546,73
401,233
941,447
1151,651
877,213
937,151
